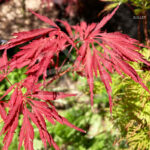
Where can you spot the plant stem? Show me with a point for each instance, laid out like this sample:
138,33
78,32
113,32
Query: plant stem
58,75
146,28
24,8
139,32
65,59
8,80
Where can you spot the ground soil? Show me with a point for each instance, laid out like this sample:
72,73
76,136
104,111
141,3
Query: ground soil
15,17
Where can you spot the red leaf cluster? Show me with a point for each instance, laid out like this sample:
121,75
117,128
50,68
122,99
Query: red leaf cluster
39,108
40,52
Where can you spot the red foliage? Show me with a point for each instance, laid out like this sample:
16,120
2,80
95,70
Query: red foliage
44,45
37,112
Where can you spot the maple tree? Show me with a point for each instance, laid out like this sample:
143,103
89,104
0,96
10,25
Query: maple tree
40,52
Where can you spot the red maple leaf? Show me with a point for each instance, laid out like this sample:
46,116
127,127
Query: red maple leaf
44,45
40,108
118,50
4,70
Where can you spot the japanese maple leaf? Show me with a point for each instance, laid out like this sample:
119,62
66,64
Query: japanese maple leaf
117,51
3,106
44,45
35,105
4,71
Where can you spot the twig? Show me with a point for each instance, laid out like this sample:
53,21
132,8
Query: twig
58,75
145,28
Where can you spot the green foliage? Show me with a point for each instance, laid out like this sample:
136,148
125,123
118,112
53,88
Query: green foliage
132,109
98,136
140,5
100,133
14,77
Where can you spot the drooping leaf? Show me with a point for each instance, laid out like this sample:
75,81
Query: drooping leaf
117,51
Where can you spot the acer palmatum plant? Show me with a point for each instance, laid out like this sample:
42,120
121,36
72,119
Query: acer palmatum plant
40,53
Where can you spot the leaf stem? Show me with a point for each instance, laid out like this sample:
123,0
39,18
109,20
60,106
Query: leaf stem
139,32
145,28
8,80
58,76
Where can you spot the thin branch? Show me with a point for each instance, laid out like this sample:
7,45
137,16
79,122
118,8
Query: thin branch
146,28
58,76
8,80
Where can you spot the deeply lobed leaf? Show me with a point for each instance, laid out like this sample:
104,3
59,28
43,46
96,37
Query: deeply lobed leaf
40,108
